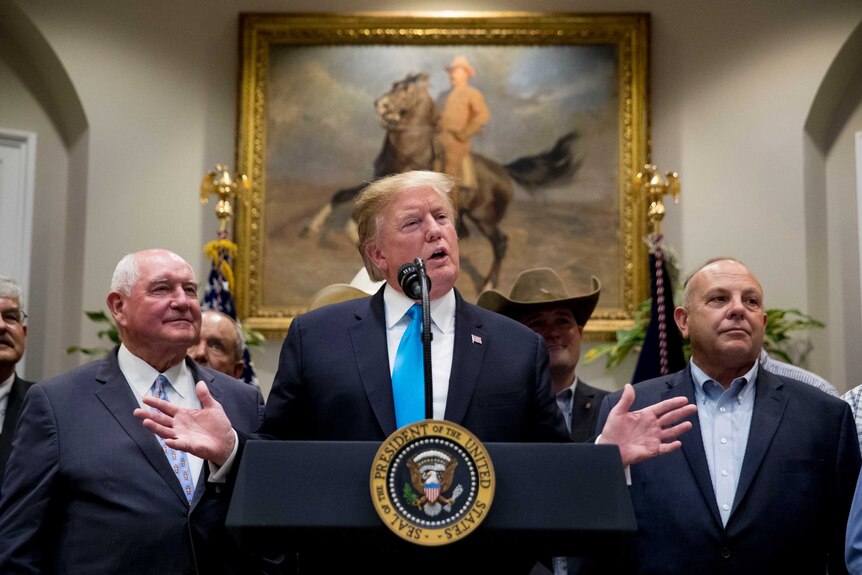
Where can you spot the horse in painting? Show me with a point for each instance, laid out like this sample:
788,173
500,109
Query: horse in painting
407,113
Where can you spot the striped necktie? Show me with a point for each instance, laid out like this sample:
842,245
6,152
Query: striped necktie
178,460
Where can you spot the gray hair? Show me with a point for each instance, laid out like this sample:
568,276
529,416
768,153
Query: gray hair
10,289
126,274
376,197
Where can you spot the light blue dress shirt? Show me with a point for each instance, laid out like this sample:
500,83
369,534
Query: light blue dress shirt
725,419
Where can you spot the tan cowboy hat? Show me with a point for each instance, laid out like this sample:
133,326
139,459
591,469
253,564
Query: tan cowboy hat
461,62
360,286
538,288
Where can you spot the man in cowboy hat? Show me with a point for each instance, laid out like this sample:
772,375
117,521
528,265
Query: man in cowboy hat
539,300
463,115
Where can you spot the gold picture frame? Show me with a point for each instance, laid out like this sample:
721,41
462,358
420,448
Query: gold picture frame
307,128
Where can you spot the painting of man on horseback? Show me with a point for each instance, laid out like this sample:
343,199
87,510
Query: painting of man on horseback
415,136
514,213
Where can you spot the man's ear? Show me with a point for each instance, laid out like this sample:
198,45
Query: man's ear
680,316
375,254
116,305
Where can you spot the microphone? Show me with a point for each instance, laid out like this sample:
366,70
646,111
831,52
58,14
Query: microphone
410,281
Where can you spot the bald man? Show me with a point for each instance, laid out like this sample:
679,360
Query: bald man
220,345
764,481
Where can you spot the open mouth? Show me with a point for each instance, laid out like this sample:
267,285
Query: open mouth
437,255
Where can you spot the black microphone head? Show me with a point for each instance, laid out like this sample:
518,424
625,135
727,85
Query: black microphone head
408,279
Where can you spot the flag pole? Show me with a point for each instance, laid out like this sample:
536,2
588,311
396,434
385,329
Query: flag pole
654,187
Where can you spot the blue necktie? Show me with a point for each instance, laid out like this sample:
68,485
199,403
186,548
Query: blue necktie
178,460
408,373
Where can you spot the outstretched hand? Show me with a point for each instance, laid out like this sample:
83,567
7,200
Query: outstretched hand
204,432
648,432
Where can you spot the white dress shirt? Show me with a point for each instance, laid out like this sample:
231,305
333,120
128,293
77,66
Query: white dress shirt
396,305
181,390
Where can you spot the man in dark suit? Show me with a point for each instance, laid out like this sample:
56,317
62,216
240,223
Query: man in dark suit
335,377
88,489
764,482
13,340
539,299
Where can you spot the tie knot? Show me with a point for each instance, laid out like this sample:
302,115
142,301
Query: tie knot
158,388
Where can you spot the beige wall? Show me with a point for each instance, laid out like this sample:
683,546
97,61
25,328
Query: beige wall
732,85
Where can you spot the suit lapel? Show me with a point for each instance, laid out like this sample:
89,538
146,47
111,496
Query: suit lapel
368,335
217,392
583,410
467,358
13,407
769,404
117,397
681,384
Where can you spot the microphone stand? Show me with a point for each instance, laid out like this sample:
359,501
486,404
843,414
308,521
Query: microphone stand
426,337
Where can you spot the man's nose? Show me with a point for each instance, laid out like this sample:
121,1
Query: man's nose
432,228
198,352
182,299
735,309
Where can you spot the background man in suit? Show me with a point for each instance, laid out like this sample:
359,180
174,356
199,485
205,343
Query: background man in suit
88,489
13,340
763,483
220,345
539,300
335,377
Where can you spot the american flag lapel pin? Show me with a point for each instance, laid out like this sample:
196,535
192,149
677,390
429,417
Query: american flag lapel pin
476,339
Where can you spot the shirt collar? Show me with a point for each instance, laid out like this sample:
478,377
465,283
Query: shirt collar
743,390
442,308
141,375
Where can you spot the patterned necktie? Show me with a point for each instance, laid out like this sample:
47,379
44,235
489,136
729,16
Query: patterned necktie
178,460
408,372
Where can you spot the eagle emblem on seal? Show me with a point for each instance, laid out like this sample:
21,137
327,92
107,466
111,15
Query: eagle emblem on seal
431,474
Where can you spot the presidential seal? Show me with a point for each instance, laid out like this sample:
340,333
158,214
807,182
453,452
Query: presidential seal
432,482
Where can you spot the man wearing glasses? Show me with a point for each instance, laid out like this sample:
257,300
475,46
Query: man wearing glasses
13,337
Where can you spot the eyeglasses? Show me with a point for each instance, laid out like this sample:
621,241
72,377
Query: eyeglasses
13,316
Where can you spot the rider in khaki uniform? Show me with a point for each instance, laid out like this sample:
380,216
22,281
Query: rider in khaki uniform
463,116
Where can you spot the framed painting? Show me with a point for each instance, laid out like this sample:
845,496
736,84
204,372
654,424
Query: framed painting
322,107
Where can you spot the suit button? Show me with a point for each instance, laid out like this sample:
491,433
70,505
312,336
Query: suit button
725,552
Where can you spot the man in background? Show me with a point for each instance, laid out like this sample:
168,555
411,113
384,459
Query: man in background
539,300
764,481
13,340
88,489
220,345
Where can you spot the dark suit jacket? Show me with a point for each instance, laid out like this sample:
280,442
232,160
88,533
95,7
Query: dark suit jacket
794,492
333,380
13,408
89,490
333,383
585,411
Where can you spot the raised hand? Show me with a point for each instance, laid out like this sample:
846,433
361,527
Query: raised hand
648,432
204,432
